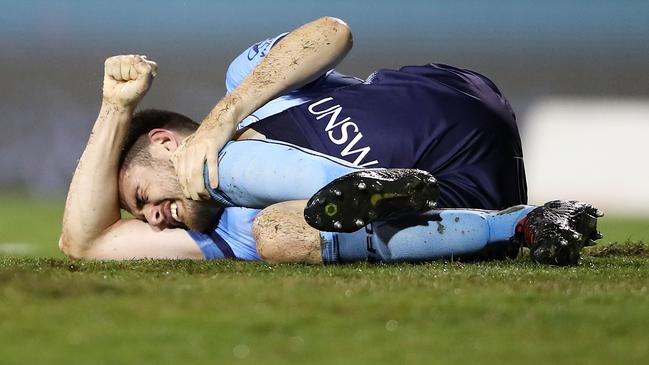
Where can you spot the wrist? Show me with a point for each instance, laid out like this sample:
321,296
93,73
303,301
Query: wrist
115,107
115,115
221,122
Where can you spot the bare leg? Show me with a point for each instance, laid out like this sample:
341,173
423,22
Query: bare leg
283,236
555,233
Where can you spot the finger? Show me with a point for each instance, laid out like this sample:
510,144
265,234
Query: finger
195,184
125,69
198,176
208,160
132,74
188,162
204,194
107,65
116,73
112,69
146,68
213,169
176,157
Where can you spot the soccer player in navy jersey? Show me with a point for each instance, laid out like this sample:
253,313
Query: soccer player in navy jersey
451,122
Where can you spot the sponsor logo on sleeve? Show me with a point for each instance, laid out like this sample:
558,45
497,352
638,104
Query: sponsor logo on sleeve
259,49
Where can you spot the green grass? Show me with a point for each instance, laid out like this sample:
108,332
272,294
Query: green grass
53,310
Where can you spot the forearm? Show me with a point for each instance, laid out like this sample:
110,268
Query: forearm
92,204
299,58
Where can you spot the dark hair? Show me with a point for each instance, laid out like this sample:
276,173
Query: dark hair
144,121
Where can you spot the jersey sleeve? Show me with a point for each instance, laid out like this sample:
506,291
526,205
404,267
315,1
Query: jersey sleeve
232,237
247,61
243,65
207,244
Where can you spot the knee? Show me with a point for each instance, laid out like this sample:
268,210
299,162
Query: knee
282,235
264,230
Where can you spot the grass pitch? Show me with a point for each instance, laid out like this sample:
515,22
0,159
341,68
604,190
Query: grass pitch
53,310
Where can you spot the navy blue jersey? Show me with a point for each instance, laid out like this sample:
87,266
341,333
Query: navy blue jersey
452,122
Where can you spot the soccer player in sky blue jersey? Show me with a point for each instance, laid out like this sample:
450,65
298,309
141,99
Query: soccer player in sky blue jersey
451,122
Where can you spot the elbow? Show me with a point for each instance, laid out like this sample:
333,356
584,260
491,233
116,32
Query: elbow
64,245
70,249
337,23
268,237
338,30
282,235
267,252
266,246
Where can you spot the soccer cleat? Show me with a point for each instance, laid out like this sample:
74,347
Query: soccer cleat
354,200
556,232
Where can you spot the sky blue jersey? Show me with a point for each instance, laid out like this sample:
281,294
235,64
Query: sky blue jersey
232,237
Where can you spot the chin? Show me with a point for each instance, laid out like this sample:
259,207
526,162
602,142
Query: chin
204,216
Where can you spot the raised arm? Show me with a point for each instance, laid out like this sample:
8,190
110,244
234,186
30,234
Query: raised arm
92,227
299,58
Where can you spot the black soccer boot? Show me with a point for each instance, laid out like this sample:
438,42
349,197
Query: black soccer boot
556,232
359,198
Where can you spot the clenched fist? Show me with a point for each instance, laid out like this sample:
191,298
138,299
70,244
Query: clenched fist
127,79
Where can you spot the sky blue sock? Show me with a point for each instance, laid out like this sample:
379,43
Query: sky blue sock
259,173
433,235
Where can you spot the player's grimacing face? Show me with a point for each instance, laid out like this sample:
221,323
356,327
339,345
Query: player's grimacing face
153,194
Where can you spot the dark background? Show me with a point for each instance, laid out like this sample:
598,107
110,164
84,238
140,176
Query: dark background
52,52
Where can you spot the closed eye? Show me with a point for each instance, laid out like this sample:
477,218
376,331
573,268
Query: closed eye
139,201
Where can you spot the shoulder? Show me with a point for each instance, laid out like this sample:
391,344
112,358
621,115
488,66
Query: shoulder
243,64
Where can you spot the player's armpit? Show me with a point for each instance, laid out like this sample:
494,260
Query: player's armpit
130,239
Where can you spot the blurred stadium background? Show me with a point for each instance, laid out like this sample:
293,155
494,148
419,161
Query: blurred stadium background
576,72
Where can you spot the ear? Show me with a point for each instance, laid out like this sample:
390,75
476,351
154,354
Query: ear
164,138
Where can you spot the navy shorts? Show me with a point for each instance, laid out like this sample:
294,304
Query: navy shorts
452,122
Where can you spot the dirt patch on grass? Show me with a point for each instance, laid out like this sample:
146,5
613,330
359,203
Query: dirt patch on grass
637,249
